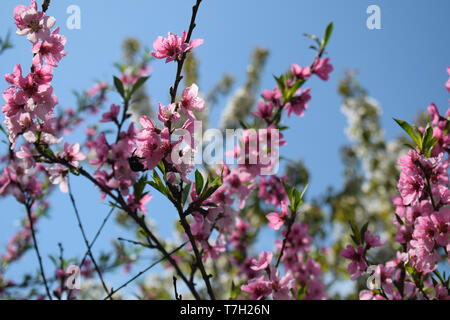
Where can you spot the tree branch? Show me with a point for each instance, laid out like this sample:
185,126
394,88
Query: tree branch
80,225
179,77
144,271
28,205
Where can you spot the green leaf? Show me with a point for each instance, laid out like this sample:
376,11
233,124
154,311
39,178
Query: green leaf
327,35
158,183
293,90
234,292
119,87
429,142
304,190
409,146
139,83
157,187
139,187
161,167
410,131
297,200
302,291
243,124
355,239
287,189
428,135
363,232
3,130
313,37
185,193
281,84
208,193
112,204
356,235
198,182
399,220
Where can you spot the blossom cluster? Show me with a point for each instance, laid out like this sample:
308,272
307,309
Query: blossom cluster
422,218
30,99
273,99
220,209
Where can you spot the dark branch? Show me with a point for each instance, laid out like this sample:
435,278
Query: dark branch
143,271
36,248
80,225
45,5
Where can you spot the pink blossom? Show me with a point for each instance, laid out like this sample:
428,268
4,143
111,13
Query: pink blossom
239,183
434,113
238,238
98,87
42,73
191,100
265,258
299,103
58,175
297,241
170,177
141,205
276,219
358,263
271,189
112,114
52,48
383,276
27,95
26,156
265,110
258,288
215,250
322,68
148,144
433,230
130,75
372,241
72,154
281,287
447,84
411,185
29,21
101,149
301,72
168,113
441,292
173,46
273,96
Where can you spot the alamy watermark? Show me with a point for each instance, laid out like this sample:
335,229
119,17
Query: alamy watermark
373,22
73,22
250,147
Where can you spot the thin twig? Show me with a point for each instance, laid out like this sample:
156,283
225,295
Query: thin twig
198,256
124,117
61,266
97,235
179,77
137,243
45,5
36,248
177,296
143,271
288,232
80,225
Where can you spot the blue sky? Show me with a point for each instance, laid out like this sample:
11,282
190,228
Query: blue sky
403,65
